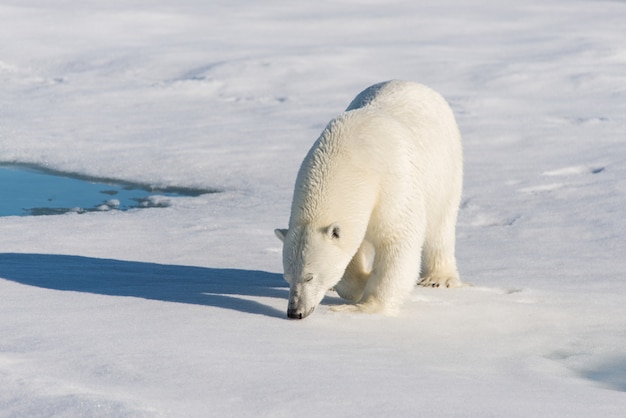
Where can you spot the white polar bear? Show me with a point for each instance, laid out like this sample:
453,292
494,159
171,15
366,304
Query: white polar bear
375,203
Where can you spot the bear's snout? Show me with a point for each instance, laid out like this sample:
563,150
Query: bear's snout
295,309
294,313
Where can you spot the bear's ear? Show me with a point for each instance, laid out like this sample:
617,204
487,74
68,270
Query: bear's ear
334,231
281,233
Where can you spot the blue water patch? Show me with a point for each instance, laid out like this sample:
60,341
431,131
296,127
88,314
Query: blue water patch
29,190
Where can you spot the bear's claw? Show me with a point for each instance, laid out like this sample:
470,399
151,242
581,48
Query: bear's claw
441,281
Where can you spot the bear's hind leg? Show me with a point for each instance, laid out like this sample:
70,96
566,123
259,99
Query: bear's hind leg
438,260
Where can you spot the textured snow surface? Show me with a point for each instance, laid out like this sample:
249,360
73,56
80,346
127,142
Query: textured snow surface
180,311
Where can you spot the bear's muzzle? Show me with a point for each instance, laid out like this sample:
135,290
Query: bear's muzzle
295,310
295,313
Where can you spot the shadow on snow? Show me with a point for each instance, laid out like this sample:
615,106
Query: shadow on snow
611,373
220,288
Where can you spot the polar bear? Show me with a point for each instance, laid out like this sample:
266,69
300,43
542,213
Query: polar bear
375,203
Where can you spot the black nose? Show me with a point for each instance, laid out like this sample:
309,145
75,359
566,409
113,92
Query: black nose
294,314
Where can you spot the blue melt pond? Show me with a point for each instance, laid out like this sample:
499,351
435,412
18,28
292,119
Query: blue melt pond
27,190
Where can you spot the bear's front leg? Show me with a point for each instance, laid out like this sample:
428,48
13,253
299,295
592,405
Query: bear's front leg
396,267
360,307
352,284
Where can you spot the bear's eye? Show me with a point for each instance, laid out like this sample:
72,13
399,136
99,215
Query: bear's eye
333,231
307,278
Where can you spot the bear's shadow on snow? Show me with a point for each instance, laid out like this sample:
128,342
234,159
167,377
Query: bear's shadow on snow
221,288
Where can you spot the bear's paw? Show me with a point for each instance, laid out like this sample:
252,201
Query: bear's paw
441,281
366,307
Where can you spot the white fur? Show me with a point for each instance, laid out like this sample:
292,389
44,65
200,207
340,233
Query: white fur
375,202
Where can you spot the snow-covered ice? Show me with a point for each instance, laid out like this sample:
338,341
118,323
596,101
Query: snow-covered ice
180,311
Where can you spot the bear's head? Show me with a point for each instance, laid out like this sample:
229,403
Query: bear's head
314,260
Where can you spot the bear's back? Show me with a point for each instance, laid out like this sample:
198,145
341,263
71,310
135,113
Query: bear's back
392,134
396,93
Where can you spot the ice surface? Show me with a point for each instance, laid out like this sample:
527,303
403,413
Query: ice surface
179,311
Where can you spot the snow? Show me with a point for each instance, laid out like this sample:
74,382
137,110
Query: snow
180,311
